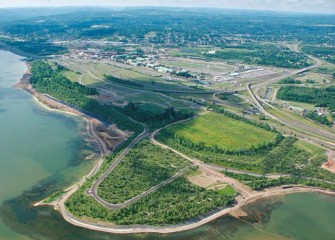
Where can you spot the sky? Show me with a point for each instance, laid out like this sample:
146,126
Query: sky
316,6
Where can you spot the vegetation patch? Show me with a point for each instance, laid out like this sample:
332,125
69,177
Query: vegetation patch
326,69
124,81
145,166
214,129
289,80
174,203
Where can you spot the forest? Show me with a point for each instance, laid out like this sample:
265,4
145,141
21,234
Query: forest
33,48
321,97
154,119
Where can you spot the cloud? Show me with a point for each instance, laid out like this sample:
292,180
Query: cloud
323,6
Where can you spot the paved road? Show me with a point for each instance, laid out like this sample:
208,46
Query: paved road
328,138
329,143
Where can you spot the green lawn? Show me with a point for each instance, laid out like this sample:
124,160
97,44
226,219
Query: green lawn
225,132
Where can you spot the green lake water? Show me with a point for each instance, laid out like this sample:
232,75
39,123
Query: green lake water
41,151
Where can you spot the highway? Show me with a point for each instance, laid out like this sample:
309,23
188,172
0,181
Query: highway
300,129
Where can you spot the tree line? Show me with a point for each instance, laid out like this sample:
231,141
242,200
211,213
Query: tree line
50,81
321,97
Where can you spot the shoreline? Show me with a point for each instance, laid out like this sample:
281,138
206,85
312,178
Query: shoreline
136,229
53,106
50,104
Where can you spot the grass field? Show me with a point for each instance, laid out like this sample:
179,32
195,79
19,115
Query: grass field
151,107
72,76
228,190
307,106
216,129
317,77
326,69
309,147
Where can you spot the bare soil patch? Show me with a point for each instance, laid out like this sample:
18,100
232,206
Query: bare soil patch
205,179
330,164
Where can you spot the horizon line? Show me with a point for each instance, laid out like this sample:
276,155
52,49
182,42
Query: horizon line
176,7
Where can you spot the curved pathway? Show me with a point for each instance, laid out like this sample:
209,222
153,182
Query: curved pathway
138,197
93,190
